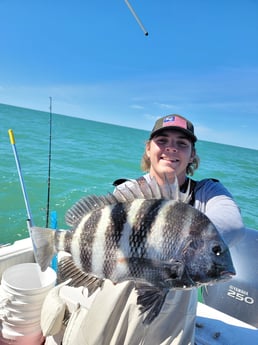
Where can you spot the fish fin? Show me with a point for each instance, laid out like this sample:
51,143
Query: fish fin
86,205
129,194
150,299
170,274
150,190
67,269
164,273
172,191
141,188
134,189
43,241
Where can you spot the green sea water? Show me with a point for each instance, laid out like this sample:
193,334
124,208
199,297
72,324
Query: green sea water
86,157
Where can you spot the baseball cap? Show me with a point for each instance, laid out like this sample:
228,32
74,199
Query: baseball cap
176,122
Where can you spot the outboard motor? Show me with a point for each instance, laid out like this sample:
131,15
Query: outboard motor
238,297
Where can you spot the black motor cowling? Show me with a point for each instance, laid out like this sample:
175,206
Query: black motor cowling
238,297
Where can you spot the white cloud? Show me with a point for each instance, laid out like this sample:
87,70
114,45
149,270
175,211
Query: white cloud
136,106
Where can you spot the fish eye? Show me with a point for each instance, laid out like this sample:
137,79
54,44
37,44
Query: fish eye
217,250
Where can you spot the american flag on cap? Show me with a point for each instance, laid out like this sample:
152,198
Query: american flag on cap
173,120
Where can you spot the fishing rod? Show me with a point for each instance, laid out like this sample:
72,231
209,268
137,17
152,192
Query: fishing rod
136,17
49,161
29,215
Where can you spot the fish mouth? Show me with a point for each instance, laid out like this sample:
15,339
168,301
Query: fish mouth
224,277
227,274
221,273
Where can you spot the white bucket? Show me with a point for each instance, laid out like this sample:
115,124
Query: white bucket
23,290
16,308
28,279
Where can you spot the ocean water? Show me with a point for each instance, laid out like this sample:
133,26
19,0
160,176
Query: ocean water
86,157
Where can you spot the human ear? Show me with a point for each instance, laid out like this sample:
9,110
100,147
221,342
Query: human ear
147,149
193,154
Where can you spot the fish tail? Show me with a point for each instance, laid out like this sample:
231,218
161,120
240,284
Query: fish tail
43,242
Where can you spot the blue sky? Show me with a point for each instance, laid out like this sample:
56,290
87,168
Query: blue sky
199,60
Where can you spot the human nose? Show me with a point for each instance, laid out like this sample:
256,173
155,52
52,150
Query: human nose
171,148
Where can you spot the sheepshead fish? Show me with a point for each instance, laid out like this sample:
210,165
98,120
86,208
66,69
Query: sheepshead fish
141,235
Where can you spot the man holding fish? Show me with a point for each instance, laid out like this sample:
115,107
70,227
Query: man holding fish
150,251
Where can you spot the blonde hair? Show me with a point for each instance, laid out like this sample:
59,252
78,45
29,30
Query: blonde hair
190,169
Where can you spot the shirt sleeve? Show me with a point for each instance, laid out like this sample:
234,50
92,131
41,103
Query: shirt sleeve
213,199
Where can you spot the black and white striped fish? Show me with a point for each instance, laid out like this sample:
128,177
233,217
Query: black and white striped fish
140,235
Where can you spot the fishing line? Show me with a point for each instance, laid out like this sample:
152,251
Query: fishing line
137,18
49,161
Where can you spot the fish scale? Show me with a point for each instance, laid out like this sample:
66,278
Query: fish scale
87,237
112,237
146,217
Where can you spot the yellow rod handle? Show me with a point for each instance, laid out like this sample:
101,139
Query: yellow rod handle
11,136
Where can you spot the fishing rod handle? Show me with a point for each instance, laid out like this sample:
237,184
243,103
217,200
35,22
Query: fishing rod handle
11,136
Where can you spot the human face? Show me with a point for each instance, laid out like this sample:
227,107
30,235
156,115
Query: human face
169,152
